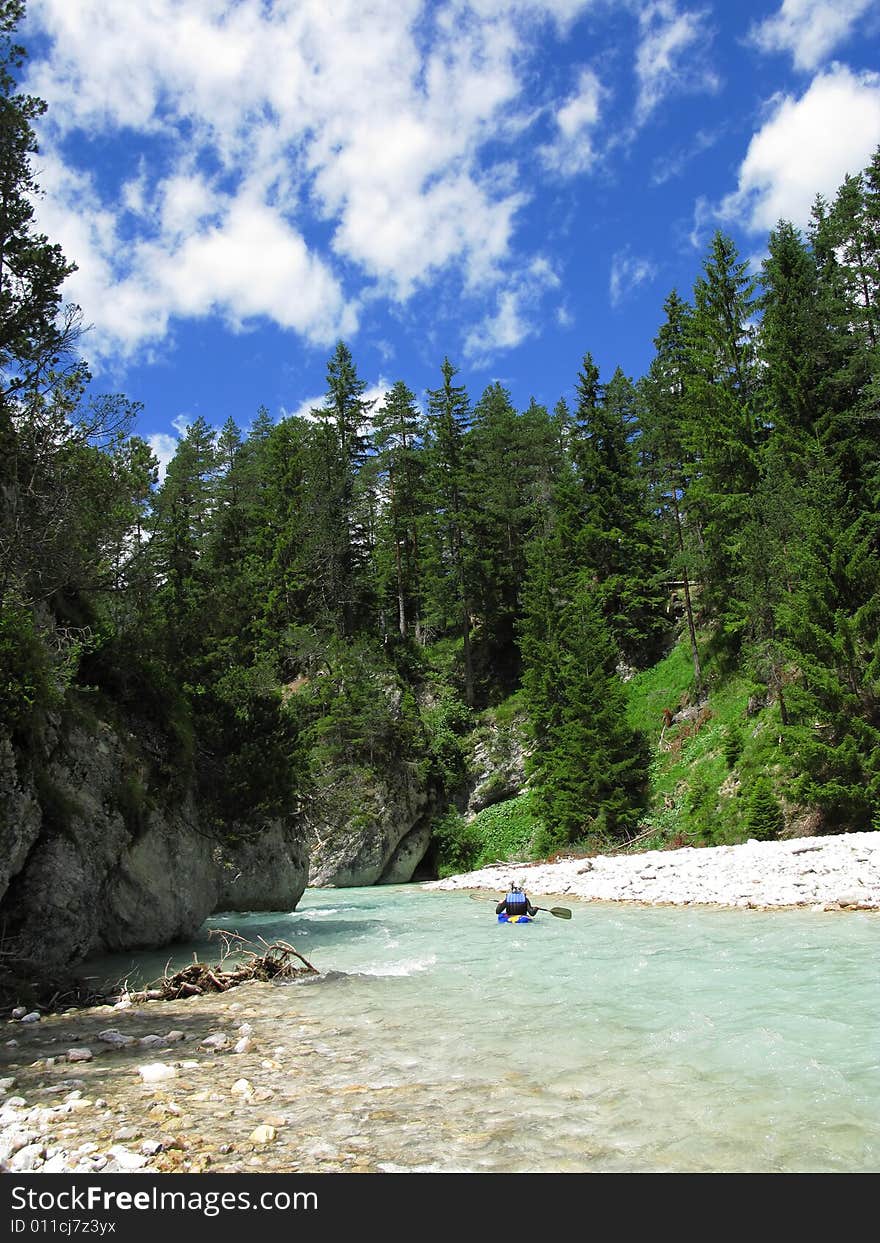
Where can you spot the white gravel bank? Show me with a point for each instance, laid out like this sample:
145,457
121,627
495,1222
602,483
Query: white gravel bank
840,872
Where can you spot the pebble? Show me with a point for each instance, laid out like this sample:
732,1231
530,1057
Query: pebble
262,1134
81,1054
243,1046
33,1017
19,1012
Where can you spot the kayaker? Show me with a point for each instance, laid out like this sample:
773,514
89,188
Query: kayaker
515,903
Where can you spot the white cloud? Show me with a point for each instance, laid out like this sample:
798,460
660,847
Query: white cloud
628,271
671,55
809,29
245,121
806,147
306,408
164,447
515,317
572,149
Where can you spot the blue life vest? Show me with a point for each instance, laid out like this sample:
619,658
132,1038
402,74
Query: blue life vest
517,903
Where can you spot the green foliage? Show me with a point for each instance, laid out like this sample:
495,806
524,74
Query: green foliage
341,594
505,831
446,724
764,819
733,744
25,671
457,843
588,766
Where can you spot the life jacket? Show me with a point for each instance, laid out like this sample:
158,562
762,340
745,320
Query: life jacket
516,903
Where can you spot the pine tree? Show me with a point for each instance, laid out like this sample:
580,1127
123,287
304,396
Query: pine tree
617,542
588,769
399,433
339,508
449,585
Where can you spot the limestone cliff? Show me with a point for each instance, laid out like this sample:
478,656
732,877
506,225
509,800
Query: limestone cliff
99,853
370,828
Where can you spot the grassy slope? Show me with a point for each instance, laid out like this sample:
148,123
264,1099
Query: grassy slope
703,772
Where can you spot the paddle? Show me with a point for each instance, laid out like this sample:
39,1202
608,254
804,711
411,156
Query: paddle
561,912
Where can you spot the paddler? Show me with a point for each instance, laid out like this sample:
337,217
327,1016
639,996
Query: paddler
516,903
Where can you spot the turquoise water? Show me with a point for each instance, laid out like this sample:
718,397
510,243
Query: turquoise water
625,1039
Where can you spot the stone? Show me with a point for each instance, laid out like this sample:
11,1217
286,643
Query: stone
243,1046
114,1037
156,1072
127,1132
6,1084
264,1134
19,1012
150,1147
33,1017
152,1042
242,1087
28,1158
81,1054
218,1040
126,1159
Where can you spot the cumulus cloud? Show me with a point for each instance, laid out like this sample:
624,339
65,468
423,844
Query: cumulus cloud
806,147
670,57
809,30
572,149
628,271
279,154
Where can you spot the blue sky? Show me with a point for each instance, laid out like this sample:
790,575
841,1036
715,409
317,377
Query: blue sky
243,182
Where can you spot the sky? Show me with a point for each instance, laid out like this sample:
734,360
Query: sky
509,183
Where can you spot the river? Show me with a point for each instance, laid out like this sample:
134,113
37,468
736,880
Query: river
627,1039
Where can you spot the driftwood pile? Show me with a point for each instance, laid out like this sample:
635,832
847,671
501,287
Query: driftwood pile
275,962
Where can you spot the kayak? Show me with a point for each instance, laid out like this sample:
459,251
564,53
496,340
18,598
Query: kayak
504,918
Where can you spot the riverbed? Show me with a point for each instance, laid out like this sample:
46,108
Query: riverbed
626,1039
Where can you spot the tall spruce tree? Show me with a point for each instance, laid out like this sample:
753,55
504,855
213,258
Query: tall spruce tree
399,434
449,582
588,768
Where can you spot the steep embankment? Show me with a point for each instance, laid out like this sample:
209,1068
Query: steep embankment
100,852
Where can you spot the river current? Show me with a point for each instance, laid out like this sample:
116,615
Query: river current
627,1039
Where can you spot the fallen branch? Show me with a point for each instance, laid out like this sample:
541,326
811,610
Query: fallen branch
197,978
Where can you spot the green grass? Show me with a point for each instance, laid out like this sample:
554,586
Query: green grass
697,794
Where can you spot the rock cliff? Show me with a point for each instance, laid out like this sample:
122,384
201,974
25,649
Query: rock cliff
98,853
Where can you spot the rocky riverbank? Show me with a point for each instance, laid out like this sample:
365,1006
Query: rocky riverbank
181,1087
840,872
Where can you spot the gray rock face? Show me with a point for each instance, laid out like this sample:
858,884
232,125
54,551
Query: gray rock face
357,839
496,766
85,872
